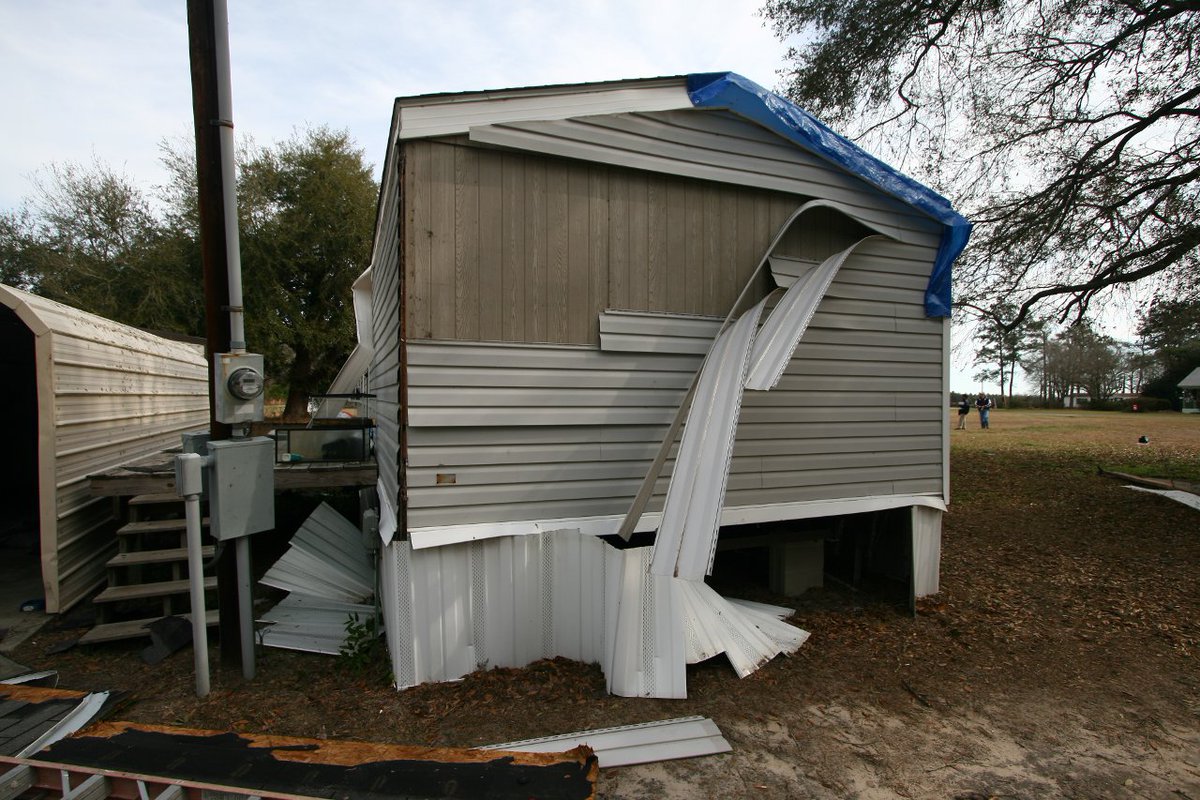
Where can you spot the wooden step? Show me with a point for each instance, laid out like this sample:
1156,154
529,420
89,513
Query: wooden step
137,557
156,499
141,591
133,629
156,526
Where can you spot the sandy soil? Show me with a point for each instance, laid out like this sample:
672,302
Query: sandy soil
1059,660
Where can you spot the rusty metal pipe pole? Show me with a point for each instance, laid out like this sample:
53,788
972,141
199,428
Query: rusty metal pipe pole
214,252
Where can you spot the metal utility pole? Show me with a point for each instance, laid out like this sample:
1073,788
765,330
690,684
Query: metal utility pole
214,252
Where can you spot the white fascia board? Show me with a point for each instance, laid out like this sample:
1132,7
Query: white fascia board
605,525
457,115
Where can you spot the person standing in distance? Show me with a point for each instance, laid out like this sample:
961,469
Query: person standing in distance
982,404
964,408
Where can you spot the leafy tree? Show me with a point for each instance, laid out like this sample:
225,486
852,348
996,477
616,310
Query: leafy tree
1002,346
1067,130
91,238
307,214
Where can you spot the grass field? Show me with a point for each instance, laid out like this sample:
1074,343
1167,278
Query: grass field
1060,659
1105,438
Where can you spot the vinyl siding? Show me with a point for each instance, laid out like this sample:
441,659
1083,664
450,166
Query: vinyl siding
386,334
529,432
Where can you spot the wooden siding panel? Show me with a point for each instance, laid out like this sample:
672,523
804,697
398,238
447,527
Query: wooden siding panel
598,248
557,244
466,243
618,243
512,304
442,290
387,283
421,223
491,299
639,239
579,283
537,255
657,256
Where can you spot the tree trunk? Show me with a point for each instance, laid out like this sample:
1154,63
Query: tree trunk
296,409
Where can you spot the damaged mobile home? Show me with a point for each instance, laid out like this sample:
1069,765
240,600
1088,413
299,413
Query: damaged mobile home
677,310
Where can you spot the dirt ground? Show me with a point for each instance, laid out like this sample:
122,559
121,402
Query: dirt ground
1059,660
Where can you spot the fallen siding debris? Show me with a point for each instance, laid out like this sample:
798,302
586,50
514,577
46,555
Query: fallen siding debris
684,737
1187,498
327,559
748,636
310,624
329,574
48,677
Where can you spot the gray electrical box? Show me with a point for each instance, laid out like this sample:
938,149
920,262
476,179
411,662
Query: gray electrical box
241,486
237,387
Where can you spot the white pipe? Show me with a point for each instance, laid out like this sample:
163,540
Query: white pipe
189,484
233,255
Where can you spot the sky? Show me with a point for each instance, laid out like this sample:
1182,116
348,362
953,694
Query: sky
110,80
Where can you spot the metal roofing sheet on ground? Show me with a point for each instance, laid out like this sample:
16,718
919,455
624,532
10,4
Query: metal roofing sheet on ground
685,737
327,558
312,624
328,572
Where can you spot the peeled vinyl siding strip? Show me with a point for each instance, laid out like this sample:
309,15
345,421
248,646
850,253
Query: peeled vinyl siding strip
775,343
694,496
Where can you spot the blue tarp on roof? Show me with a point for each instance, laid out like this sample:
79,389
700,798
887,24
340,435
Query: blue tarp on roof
746,98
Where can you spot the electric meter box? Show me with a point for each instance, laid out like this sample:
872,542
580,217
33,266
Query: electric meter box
238,387
241,486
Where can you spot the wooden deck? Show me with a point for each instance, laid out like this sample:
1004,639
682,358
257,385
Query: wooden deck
156,475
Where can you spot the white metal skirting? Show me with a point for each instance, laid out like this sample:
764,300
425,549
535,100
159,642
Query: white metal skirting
513,600
926,549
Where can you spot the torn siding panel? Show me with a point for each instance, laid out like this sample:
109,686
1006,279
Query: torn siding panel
697,488
325,558
868,397
789,320
513,600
